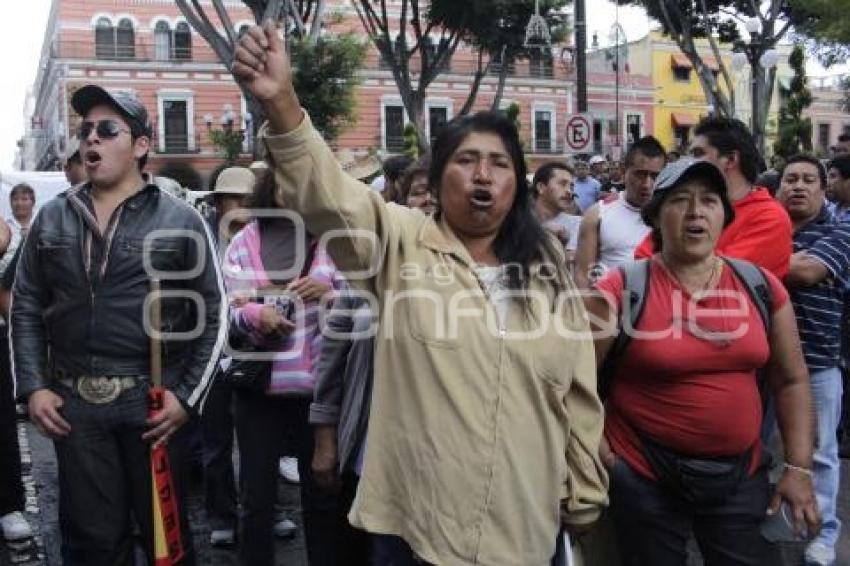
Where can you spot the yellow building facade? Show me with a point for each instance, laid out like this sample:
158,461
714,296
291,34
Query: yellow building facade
680,101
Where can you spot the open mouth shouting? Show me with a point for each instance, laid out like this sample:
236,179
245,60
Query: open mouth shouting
92,159
481,199
696,231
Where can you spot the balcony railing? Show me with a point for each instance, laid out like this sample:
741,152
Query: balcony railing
178,144
395,144
143,51
547,147
466,65
139,52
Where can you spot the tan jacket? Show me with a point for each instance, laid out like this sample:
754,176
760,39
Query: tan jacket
476,435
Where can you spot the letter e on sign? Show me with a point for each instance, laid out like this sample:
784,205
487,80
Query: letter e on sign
579,133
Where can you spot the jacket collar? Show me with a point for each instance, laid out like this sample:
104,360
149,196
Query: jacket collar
439,237
436,235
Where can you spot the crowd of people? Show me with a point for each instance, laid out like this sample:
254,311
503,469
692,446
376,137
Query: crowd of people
470,364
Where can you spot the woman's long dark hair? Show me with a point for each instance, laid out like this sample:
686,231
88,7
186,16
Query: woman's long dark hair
522,239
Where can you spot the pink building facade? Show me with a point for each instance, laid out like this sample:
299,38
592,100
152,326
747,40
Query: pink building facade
147,47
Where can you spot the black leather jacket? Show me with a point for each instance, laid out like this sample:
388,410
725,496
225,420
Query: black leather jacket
68,322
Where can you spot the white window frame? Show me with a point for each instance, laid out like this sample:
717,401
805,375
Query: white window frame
553,137
430,103
829,135
241,23
390,101
247,136
624,127
176,95
125,16
156,19
99,15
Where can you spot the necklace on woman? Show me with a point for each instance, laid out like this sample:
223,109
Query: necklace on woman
713,271
717,336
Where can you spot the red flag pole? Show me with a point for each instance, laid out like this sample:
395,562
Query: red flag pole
168,546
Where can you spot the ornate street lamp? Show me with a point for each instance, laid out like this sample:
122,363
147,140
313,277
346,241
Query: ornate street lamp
760,61
537,33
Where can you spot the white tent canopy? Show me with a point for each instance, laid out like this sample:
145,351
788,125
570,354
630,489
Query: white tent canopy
46,184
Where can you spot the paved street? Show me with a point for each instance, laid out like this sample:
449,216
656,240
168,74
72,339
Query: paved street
40,481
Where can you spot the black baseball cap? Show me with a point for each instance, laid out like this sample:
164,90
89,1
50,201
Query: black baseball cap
675,173
89,96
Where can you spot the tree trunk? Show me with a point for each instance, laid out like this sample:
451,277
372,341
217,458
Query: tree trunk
415,106
500,89
480,73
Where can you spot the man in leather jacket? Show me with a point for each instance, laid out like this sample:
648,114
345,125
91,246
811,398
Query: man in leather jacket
79,332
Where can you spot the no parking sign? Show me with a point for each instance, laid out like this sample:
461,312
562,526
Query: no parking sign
579,133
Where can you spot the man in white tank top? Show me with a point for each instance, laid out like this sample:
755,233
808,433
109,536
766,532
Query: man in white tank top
611,230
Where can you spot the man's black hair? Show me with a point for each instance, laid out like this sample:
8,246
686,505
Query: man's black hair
729,135
811,159
522,239
545,172
647,146
395,166
842,165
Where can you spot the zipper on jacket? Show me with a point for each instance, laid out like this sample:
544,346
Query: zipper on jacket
489,300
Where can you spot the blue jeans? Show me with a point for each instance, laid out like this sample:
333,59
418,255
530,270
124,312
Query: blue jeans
826,392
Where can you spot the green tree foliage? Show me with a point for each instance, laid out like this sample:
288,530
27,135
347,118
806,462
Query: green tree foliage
497,29
325,79
325,67
717,21
417,39
411,141
826,23
229,143
795,130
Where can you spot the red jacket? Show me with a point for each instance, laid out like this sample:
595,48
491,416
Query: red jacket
760,233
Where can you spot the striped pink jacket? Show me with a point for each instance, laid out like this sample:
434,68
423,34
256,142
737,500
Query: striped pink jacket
296,354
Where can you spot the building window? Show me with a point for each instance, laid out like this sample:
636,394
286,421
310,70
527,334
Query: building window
125,40
540,65
114,42
682,135
182,42
438,116
394,128
496,65
162,41
104,39
543,131
634,128
176,126
597,136
431,47
682,74
824,135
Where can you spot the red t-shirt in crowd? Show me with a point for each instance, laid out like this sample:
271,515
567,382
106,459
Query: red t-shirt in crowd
683,382
760,233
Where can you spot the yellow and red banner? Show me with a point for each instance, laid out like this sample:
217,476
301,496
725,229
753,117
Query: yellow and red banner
168,546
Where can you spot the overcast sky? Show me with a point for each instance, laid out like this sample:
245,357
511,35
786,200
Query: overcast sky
22,32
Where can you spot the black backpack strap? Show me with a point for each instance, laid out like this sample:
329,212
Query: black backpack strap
635,289
757,286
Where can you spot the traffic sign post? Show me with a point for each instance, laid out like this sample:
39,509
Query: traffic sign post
579,133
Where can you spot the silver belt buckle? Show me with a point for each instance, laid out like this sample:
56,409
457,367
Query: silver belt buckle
99,390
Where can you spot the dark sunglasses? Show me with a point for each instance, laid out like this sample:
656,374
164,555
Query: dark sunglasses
106,129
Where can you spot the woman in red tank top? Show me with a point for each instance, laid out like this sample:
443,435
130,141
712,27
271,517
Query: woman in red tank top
683,413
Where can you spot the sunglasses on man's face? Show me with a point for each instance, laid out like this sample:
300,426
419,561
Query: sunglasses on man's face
106,129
